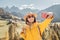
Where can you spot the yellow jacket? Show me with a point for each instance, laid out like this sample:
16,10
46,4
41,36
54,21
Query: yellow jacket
35,33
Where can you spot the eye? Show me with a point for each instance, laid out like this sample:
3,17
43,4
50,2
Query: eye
32,16
29,16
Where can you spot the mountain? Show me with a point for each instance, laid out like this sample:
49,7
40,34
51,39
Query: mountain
6,15
27,10
14,9
7,8
20,13
56,10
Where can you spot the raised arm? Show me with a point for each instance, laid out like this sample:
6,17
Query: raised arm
45,23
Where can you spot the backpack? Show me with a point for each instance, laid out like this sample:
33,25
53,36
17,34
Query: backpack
39,30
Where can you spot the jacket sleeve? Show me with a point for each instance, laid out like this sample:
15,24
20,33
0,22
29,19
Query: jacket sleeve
45,24
22,35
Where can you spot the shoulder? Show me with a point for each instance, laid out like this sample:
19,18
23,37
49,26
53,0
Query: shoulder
38,23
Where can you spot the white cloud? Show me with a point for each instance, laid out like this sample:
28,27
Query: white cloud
31,6
28,5
55,3
21,8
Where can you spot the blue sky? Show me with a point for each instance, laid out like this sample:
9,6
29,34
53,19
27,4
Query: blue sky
39,4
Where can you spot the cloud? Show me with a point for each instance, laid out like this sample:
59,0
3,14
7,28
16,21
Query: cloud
28,5
55,3
31,6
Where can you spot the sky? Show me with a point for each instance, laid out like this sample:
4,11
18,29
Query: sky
33,4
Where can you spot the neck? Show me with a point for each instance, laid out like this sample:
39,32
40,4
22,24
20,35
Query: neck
30,24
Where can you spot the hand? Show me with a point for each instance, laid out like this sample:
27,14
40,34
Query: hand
49,14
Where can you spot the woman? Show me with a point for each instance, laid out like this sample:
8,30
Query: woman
33,30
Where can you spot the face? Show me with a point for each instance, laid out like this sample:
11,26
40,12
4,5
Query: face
31,19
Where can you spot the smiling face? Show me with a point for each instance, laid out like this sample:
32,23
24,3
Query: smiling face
31,19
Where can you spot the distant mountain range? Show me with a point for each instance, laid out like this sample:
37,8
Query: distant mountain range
20,13
56,10
6,15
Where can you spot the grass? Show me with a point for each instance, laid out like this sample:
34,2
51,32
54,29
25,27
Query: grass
3,27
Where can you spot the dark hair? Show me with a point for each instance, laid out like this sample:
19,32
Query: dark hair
28,21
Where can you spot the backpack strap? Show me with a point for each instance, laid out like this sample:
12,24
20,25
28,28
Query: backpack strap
39,30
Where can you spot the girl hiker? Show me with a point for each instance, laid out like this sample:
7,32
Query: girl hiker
33,30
